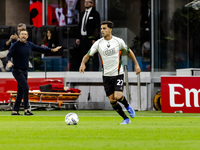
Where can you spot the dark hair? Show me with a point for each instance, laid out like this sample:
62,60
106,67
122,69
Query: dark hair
53,37
91,1
110,24
22,25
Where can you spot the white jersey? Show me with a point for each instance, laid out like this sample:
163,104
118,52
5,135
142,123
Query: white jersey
110,53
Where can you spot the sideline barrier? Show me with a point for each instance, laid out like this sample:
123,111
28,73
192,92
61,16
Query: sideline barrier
180,94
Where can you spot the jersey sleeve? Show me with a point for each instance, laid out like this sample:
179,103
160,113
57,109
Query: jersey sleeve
124,47
93,49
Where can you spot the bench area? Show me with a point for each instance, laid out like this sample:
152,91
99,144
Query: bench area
48,100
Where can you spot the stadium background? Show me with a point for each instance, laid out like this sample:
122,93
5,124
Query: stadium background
174,41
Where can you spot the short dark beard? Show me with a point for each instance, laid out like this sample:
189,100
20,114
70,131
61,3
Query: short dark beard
23,41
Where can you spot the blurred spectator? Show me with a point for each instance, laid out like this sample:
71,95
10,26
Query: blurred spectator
49,41
145,23
88,33
146,55
61,12
13,38
36,14
146,51
3,54
145,34
66,12
71,6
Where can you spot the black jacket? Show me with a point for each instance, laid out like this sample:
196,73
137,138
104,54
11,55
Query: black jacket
92,26
20,53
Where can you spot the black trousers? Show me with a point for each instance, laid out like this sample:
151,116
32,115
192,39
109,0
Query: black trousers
93,63
22,88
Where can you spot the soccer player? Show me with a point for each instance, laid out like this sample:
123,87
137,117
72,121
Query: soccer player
20,52
110,48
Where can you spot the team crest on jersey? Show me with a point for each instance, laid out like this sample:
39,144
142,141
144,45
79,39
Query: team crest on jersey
109,52
108,45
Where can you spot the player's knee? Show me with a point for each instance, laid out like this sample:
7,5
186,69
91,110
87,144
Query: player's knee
117,97
113,101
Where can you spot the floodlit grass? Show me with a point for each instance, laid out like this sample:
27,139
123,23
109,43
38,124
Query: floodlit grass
150,130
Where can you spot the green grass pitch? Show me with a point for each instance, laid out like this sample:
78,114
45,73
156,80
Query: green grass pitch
99,130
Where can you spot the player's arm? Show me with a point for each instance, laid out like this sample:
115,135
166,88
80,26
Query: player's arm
132,56
9,56
84,61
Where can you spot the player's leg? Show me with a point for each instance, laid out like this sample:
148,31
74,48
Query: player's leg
26,92
115,105
21,77
122,99
109,89
118,95
18,99
25,88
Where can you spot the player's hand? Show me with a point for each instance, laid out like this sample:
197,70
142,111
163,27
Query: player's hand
56,49
9,64
82,68
137,69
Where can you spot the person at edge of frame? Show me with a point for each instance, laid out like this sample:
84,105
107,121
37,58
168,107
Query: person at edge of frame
19,52
88,32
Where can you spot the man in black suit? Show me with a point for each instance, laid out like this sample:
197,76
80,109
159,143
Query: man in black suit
145,22
88,33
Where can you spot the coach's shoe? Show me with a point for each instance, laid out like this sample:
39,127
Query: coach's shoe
15,114
131,111
126,121
28,113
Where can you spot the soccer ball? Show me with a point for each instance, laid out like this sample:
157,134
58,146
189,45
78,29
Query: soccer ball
71,119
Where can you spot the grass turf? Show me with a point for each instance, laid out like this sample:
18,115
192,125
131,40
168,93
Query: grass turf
150,130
